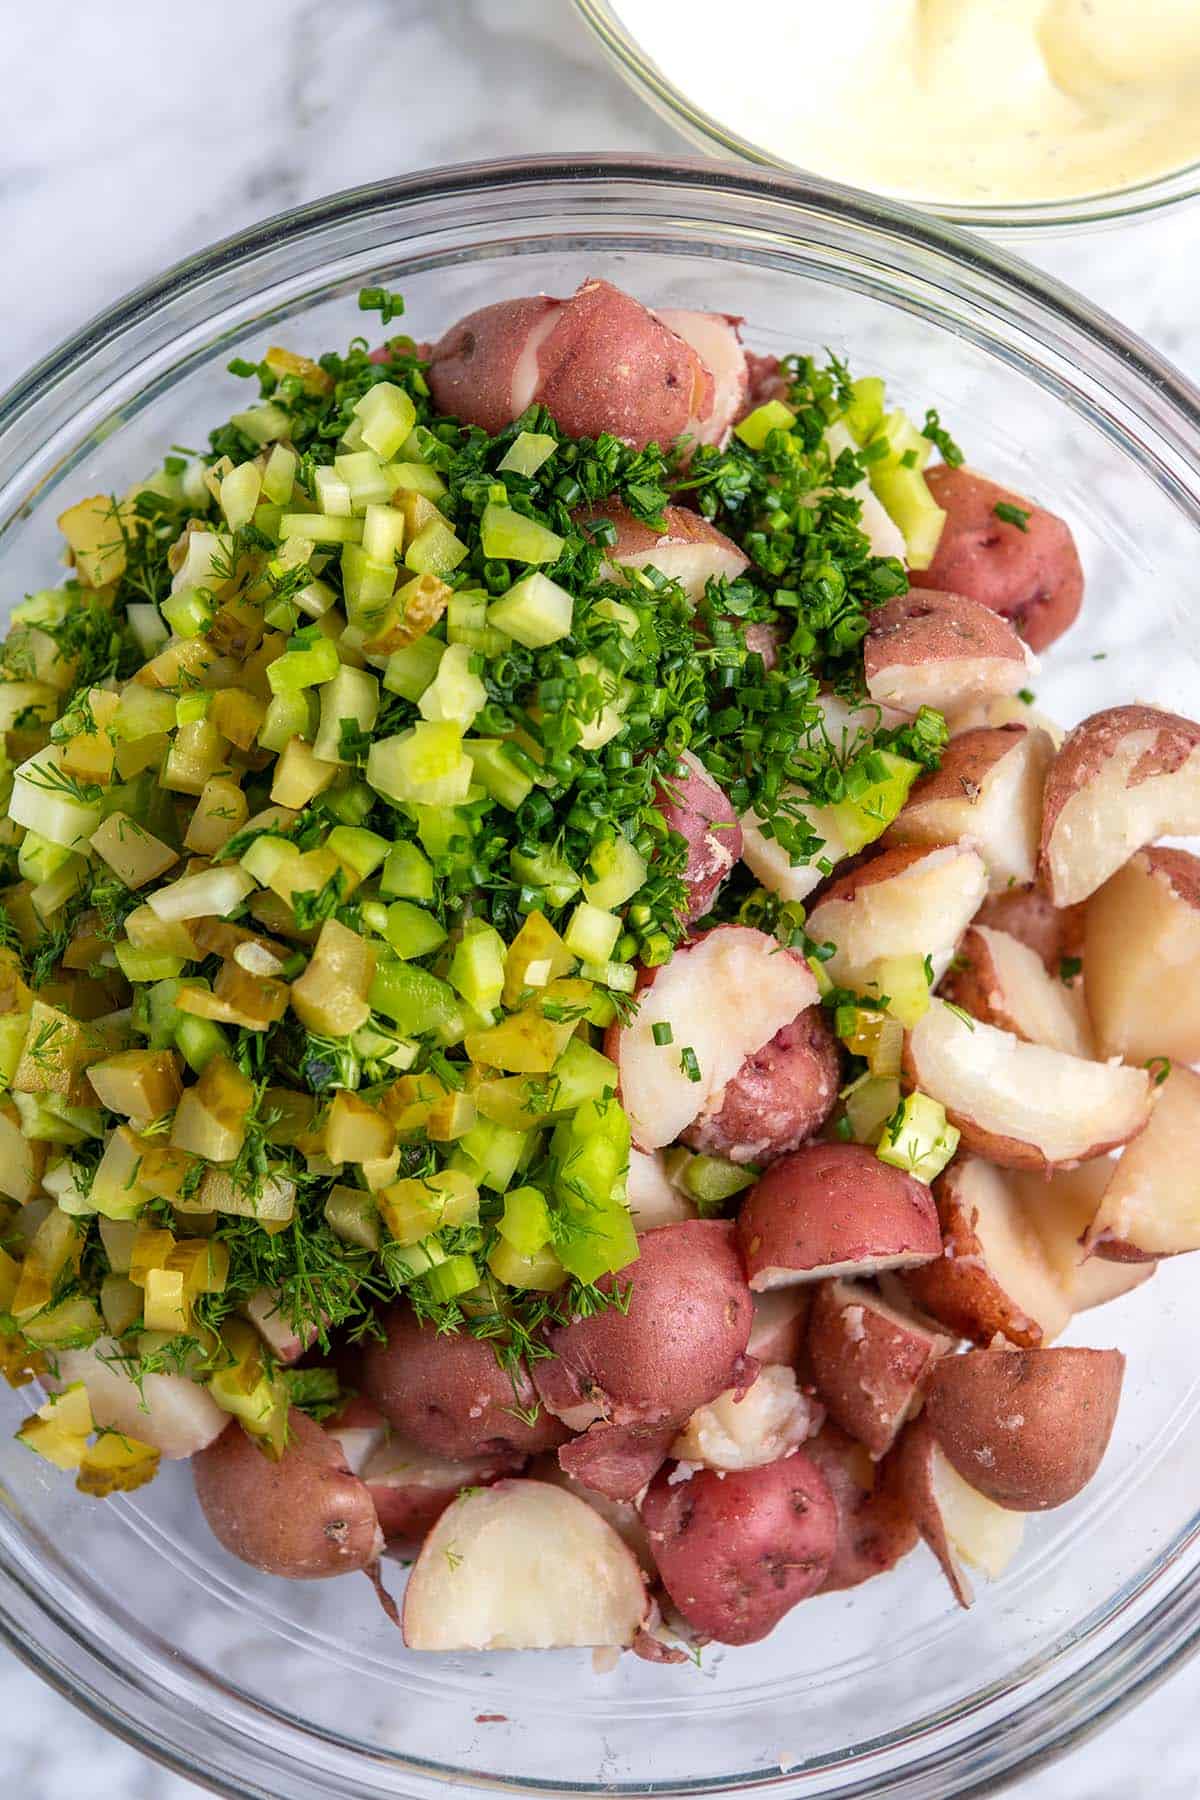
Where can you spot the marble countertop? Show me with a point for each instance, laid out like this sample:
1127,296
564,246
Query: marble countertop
134,133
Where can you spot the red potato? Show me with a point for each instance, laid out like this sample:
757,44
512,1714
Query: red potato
1150,1206
693,805
679,1343
1122,778
410,1488
264,1310
998,979
599,361
304,1517
767,380
1062,1207
743,1428
717,341
1008,709
622,1515
907,901
987,794
652,1198
172,1412
615,1461
874,521
737,1551
1142,944
780,1096
869,1361
725,995
1021,1105
874,1528
1027,1428
780,1325
834,1209
1031,576
1026,914
360,1429
448,1393
523,1565
959,1524
992,1276
688,549
943,651
770,863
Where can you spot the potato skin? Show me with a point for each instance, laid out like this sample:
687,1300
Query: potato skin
305,1517
681,1342
875,1529
1032,577
472,365
926,627
869,1363
906,1478
447,1392
613,1461
779,1097
1028,1428
737,1552
831,1204
958,1288
687,548
1028,914
693,805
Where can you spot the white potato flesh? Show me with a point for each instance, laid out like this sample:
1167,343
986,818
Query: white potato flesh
172,1412
715,340
1106,821
724,997
359,1443
1152,1202
1142,950
771,1419
1036,1005
876,523
770,863
397,1462
1011,1247
1062,1106
267,1317
653,1199
982,1534
1001,817
1005,710
1061,1208
523,1566
778,1326
921,911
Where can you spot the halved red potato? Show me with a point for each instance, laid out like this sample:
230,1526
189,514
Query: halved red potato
1018,1104
1061,1208
874,1527
678,1343
1028,572
1149,1207
992,1276
688,549
771,864
834,1209
523,1566
742,1428
943,651
599,361
266,1312
781,1095
174,1413
1025,913
1028,1428
736,1551
306,1516
1006,709
779,1327
724,995
614,1460
988,794
959,1524
717,341
767,378
1002,981
360,1428
622,1515
907,901
1122,778
652,1198
693,805
869,1361
1142,943
411,1488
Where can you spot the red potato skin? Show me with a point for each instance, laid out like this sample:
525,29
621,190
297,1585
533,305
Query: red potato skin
693,805
779,1097
957,1288
1028,915
681,1342
472,365
967,761
681,528
925,626
447,1392
906,1478
305,1517
1032,577
867,869
717,340
766,380
737,1552
613,1461
406,1514
1028,1428
875,1529
869,1367
828,1204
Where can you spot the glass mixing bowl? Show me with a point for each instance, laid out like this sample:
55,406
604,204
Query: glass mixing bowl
275,1690
711,133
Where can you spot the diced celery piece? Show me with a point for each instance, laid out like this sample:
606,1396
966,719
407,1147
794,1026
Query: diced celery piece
618,871
435,550
905,981
535,611
451,1278
367,585
446,833
897,443
510,537
525,1221
412,931
592,933
494,1152
425,765
547,871
320,528
869,1104
407,874
332,493
411,669
455,693
315,598
262,424
43,799
239,494
416,1001
865,411
352,695
189,612
386,415
581,1073
416,477
383,533
146,965
542,1272
279,476
876,788
365,480
496,772
288,716
198,1041
757,426
917,1138
711,1181
308,667
591,1152
477,966
905,496
38,858
409,1262
362,851
527,452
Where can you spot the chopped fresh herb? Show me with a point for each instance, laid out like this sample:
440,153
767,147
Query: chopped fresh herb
1012,515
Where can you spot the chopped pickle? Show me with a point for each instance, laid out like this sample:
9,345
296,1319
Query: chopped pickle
116,1464
140,1084
331,996
210,1120
243,1385
356,1131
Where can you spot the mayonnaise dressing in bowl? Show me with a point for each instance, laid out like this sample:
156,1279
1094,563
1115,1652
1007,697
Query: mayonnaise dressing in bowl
966,102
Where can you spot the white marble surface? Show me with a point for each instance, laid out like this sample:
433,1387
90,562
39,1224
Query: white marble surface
133,132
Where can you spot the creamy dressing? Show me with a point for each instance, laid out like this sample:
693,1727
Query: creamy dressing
965,101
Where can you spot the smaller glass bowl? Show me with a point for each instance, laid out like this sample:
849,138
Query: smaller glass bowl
1049,217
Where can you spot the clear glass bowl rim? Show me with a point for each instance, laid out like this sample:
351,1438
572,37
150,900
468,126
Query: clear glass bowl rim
703,129
1130,1662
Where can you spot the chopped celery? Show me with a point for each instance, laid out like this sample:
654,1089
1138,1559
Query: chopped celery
917,1138
876,788
525,1221
451,1278
905,982
497,773
319,528
411,668
416,1001
263,424
407,874
865,411
711,1182
493,1152
365,481
47,800
360,850
332,493
592,933
905,496
415,478
536,611
240,490
386,415
368,587
542,1272
869,1104
412,931
527,452
455,693
425,764
758,425
198,1041
591,1152
434,550
580,1074
279,476
547,871
309,666
383,534
477,966
288,716
509,536
351,697
617,873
